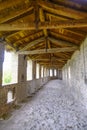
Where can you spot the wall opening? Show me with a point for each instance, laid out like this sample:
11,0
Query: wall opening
51,73
69,72
37,71
29,70
10,68
41,71
55,72
10,96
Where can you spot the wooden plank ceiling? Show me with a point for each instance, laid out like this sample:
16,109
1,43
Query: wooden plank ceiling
47,31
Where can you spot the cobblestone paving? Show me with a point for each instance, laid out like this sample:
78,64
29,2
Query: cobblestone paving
52,108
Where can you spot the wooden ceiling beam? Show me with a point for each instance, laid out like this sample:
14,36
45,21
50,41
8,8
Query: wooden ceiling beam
70,33
65,55
33,56
54,17
44,25
61,10
18,33
33,43
8,3
80,34
72,4
42,19
45,59
52,65
60,58
15,13
63,37
81,31
48,63
44,51
60,42
33,35
38,56
41,63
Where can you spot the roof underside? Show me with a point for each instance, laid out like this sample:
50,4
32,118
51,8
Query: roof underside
47,31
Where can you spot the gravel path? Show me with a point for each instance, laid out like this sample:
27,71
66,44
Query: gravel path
52,108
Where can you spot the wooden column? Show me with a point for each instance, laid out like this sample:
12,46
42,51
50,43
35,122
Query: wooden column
2,48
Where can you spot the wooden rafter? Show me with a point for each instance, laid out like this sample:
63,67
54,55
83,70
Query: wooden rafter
14,14
60,42
54,17
68,32
18,33
47,31
63,37
42,19
29,37
48,60
9,3
62,55
33,43
72,4
58,65
44,25
42,51
61,10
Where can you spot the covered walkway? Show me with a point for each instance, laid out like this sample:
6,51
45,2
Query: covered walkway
52,108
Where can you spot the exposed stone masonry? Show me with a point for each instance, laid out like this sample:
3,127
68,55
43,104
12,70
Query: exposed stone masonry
76,77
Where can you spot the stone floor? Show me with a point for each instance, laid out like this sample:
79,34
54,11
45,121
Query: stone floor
52,108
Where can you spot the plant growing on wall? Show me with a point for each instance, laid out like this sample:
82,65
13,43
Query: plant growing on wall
7,78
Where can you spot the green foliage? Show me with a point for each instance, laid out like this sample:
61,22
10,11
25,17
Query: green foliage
7,78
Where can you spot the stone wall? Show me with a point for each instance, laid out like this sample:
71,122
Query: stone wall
75,73
19,91
4,106
34,85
